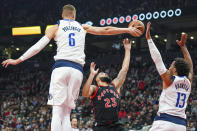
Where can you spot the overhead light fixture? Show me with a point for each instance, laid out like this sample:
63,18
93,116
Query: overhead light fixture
178,12
170,13
148,16
142,16
115,20
163,14
156,36
191,37
156,15
102,22
17,49
109,21
121,19
165,40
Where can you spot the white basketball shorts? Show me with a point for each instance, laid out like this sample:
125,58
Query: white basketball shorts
161,125
65,86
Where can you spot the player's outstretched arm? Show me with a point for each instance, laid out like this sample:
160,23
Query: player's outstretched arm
35,49
119,80
109,30
156,56
186,54
88,88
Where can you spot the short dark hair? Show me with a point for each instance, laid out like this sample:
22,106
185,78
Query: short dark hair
182,67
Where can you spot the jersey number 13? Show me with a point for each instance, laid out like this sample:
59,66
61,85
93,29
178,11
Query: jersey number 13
181,97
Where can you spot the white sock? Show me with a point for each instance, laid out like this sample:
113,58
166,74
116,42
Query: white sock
57,117
66,119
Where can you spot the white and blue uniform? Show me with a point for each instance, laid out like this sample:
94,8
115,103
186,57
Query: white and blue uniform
172,105
67,72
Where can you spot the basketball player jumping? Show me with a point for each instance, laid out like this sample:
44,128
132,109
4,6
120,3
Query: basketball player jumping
67,72
105,96
176,87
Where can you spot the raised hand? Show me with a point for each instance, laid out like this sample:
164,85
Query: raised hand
127,44
10,62
92,68
183,40
148,36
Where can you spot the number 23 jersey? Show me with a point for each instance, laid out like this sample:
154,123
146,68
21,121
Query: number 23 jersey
106,104
70,40
173,100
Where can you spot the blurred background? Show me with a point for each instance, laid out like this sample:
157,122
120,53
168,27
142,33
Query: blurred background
24,88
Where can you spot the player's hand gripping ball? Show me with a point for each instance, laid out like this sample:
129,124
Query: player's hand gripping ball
139,25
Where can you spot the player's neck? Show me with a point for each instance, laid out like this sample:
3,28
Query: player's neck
69,18
103,84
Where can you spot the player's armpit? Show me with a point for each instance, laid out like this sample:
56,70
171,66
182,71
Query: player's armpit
167,79
92,91
51,32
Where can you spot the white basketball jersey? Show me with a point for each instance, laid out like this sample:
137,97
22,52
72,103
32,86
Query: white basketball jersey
173,100
70,40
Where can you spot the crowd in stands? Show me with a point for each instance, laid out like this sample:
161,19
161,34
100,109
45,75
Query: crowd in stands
24,94
27,13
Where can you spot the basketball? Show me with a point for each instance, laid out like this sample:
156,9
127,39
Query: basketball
139,25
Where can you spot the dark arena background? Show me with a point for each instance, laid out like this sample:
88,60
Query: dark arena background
24,88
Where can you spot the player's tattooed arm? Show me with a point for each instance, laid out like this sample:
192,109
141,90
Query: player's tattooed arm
156,56
88,89
119,80
109,30
182,44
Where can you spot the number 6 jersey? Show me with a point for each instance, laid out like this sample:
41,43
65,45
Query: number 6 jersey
106,104
173,100
70,40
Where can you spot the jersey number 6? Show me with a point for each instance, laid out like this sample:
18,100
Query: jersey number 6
71,40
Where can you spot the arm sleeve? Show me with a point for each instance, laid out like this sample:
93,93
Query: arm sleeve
156,56
35,49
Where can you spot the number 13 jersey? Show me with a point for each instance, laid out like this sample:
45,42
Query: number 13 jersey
173,100
106,104
70,40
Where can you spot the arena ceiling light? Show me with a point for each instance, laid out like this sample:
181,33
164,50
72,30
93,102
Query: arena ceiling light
128,18
156,36
141,16
122,19
148,16
165,40
170,13
33,30
115,20
108,21
89,23
102,22
135,17
163,14
178,12
191,37
156,15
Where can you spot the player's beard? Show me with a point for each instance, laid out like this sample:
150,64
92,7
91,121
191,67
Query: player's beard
106,79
